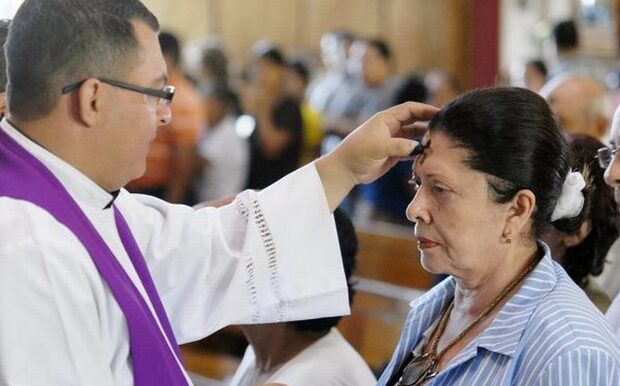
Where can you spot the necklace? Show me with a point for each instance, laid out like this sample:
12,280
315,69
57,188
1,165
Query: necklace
424,367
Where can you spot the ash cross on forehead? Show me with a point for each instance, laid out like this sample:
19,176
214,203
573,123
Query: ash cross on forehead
420,150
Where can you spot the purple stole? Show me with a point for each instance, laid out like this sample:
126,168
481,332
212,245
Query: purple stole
24,177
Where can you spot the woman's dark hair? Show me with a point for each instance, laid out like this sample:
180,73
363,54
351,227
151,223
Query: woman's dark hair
588,257
511,135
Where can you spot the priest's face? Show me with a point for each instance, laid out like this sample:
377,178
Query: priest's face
133,117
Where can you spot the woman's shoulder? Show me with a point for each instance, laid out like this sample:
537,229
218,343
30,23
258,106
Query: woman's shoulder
567,320
566,308
563,334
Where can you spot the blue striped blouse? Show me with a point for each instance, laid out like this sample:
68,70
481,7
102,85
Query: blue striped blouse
549,333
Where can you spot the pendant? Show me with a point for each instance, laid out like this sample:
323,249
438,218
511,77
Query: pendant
418,371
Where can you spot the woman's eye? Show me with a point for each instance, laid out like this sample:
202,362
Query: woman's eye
439,189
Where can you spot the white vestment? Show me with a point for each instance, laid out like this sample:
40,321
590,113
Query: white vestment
60,324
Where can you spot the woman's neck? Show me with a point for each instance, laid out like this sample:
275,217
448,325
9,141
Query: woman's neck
477,301
474,294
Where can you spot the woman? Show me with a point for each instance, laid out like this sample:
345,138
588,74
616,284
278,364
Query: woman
493,175
580,245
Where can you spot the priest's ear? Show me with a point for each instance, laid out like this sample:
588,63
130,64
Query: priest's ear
88,98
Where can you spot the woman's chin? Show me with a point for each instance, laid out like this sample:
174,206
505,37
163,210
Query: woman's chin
430,264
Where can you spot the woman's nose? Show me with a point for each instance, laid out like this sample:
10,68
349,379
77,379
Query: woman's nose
417,211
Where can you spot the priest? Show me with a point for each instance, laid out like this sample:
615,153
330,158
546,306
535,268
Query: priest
98,286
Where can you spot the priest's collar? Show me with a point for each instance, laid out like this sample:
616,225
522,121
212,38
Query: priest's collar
84,190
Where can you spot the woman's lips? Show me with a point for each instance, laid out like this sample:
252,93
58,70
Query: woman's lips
426,243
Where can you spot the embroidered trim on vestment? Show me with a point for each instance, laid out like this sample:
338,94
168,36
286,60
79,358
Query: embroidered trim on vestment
250,282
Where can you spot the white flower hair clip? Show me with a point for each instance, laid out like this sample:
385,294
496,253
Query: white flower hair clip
571,199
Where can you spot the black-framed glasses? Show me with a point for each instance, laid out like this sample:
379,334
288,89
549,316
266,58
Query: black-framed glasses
163,95
605,155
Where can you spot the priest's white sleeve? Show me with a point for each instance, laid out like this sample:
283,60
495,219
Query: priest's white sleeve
267,257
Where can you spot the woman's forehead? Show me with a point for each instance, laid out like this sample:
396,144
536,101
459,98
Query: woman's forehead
445,161
441,155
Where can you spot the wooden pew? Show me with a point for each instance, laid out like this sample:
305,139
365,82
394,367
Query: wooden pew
377,315
390,276
388,253
208,363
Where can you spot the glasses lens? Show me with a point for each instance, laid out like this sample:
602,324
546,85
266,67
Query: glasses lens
605,156
169,91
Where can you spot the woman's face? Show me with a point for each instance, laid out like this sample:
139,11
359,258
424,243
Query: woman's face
458,226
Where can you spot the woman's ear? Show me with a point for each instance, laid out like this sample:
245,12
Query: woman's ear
519,212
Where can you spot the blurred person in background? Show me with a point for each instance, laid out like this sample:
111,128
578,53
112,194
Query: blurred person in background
532,75
222,153
535,74
371,88
170,160
346,102
296,82
335,47
276,141
214,66
371,61
206,62
581,104
378,76
442,87
564,56
267,70
581,246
